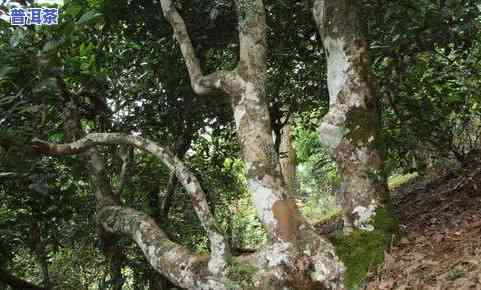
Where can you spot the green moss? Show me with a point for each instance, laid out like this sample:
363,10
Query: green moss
240,276
398,180
362,251
315,214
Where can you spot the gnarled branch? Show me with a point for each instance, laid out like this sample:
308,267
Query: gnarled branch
219,249
104,194
212,84
174,261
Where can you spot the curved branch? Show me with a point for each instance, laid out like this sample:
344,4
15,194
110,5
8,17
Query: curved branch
220,251
104,194
215,83
174,261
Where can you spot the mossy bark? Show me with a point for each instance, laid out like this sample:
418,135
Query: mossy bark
351,127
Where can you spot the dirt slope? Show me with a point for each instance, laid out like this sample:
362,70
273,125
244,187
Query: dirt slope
440,244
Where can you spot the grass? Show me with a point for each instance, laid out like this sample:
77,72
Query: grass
399,179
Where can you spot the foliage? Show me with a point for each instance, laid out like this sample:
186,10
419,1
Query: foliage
397,180
426,57
317,174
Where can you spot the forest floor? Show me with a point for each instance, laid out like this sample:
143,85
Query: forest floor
440,234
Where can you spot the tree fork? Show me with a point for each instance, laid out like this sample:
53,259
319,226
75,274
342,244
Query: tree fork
286,228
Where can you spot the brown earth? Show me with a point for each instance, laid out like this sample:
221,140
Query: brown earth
440,240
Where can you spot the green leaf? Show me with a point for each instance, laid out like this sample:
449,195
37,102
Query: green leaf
53,44
74,10
17,37
68,28
89,17
4,71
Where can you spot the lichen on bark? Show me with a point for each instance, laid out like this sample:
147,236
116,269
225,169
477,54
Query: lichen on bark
350,129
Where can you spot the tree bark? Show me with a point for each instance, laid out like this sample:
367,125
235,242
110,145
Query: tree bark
279,261
288,233
246,87
143,229
350,129
288,159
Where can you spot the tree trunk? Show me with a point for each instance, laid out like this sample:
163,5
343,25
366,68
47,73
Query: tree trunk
350,129
288,159
39,250
288,233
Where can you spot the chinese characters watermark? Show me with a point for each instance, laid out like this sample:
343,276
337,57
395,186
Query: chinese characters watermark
19,15
33,16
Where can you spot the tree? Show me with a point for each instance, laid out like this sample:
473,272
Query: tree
125,78
294,255
351,128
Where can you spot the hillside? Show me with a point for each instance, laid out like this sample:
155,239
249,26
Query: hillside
440,223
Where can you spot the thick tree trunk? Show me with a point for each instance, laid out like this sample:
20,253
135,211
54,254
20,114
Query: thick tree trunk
288,233
277,211
350,129
306,262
